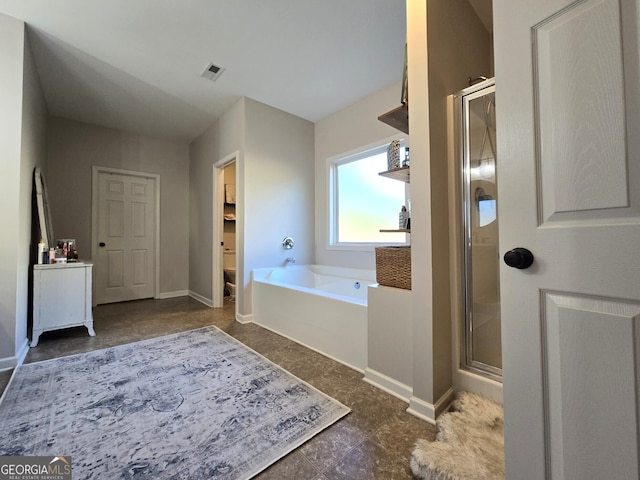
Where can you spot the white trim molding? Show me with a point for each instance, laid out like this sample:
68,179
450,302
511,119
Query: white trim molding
387,384
244,318
428,411
21,352
196,296
177,293
217,192
15,361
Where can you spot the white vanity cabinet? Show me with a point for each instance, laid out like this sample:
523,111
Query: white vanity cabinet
61,298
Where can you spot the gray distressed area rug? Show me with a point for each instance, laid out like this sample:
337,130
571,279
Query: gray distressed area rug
196,405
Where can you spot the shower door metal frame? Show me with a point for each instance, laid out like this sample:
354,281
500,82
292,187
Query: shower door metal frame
462,116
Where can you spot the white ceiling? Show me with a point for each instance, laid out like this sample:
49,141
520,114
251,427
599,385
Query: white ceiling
136,65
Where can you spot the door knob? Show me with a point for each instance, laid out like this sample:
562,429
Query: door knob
102,244
519,258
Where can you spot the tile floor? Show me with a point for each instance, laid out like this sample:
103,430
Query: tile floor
373,442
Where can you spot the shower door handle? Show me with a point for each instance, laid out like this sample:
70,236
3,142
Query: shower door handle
519,257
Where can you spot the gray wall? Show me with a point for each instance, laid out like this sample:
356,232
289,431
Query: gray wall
447,44
75,147
33,154
223,138
278,190
459,48
352,128
22,148
274,193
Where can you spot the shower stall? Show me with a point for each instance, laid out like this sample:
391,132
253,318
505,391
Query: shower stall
481,347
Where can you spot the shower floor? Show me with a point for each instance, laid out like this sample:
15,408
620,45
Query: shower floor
487,347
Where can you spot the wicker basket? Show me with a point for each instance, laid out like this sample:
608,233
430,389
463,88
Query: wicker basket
393,267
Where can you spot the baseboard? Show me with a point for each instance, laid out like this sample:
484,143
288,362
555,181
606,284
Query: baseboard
178,293
244,318
444,402
6,387
471,382
196,296
8,362
430,411
383,382
16,360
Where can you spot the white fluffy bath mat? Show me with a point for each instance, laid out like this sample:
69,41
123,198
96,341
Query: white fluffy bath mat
469,444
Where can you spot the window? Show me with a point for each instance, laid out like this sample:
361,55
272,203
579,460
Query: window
364,202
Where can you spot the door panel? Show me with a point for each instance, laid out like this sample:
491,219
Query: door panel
567,82
125,267
115,269
582,163
140,260
590,347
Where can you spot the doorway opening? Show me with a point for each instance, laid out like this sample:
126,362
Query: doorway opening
224,231
229,232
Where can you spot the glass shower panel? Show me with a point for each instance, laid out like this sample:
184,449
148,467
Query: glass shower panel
483,347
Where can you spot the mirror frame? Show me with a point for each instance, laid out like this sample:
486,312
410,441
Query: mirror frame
44,215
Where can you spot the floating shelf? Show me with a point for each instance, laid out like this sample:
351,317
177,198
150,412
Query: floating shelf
401,174
397,118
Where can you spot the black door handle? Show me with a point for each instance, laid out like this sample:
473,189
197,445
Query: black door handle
519,257
102,244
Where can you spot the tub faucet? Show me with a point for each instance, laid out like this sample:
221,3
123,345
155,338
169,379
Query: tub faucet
291,260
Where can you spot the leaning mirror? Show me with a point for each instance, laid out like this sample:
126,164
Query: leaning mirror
44,217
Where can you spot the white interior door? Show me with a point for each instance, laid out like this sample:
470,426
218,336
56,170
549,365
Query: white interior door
567,83
125,263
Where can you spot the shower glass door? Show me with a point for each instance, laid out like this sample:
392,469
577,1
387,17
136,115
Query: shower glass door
482,339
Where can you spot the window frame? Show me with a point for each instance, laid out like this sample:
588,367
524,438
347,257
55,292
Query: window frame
332,165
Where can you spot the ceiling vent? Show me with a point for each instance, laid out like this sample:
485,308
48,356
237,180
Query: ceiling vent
212,72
